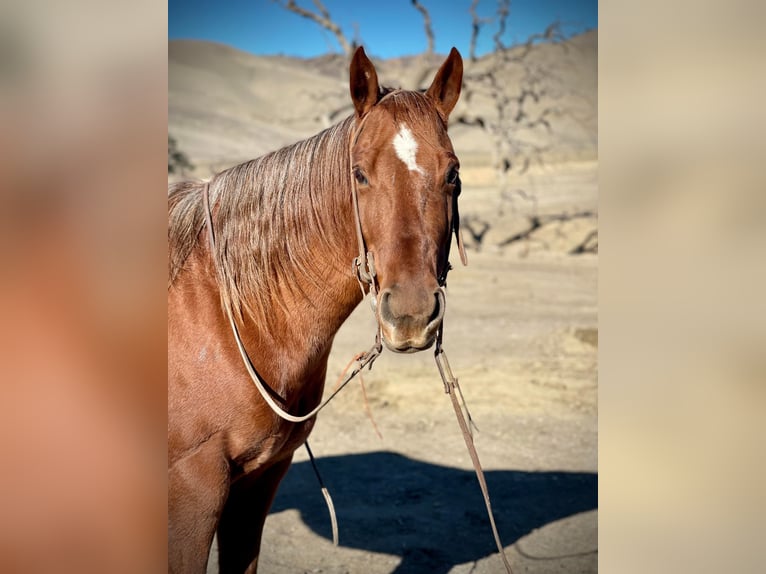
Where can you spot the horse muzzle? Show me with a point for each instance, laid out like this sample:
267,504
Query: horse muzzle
410,318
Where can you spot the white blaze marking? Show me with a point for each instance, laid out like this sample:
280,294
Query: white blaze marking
406,147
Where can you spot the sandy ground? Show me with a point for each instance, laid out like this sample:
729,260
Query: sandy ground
522,337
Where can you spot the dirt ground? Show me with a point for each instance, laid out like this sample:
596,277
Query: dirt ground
521,333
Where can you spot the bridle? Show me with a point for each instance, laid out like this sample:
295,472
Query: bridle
363,267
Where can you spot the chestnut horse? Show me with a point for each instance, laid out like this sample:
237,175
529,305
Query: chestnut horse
285,228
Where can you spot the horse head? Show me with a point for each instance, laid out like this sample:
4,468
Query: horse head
406,179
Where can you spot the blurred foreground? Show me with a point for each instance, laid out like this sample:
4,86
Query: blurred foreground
82,289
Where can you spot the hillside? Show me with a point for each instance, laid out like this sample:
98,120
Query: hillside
227,106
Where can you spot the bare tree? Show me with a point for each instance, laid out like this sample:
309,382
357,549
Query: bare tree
516,105
521,93
503,9
476,23
427,25
523,106
321,17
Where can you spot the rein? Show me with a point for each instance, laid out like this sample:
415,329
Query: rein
365,273
452,388
364,270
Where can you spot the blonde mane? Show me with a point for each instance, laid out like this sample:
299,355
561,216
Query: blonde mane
269,215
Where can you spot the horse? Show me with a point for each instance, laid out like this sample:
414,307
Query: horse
370,202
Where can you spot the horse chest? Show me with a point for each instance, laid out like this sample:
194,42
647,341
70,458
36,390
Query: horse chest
253,448
260,437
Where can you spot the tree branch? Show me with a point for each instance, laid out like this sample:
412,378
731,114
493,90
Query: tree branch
427,24
587,245
535,222
476,23
503,9
322,18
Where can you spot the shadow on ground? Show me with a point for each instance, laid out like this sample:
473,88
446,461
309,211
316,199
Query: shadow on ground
384,501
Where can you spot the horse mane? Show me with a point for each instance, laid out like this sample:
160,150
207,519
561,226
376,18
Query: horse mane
271,216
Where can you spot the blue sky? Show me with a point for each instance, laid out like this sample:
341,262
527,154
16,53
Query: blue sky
388,28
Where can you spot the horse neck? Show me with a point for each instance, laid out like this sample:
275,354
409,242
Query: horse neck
311,290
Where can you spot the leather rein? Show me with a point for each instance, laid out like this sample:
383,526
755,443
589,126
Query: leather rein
363,267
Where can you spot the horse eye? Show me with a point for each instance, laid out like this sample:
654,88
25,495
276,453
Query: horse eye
361,179
452,176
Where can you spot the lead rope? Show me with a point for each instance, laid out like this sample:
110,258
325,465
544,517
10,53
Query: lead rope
452,388
326,494
451,385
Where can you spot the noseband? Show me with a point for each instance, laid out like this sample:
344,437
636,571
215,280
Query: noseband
363,265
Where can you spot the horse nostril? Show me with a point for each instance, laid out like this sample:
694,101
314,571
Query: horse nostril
438,311
385,307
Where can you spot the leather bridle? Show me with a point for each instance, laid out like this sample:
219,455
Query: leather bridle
364,264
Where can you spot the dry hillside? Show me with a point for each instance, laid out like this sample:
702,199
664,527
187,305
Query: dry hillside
227,106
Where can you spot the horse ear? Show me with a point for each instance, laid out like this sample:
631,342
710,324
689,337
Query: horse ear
445,89
363,83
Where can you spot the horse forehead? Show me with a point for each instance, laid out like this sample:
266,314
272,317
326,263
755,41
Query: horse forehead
406,148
